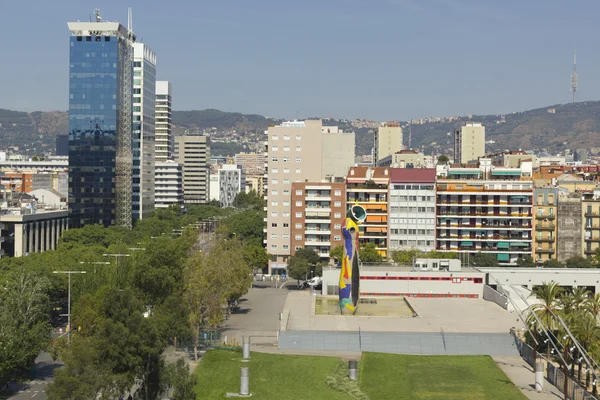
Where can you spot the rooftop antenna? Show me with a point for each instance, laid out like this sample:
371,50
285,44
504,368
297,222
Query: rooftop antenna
409,134
574,76
97,15
129,19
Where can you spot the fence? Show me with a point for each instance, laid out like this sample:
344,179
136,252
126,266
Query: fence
554,374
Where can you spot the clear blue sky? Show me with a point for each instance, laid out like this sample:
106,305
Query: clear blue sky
376,59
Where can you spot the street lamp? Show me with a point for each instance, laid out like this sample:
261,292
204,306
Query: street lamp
69,301
136,248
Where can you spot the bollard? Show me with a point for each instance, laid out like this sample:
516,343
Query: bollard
539,376
352,369
244,381
246,348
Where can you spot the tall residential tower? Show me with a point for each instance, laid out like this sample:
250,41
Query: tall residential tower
469,143
164,136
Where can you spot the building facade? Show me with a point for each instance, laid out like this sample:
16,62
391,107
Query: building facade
318,213
164,136
62,145
100,124
144,100
193,153
485,209
407,159
168,184
412,209
569,225
30,232
469,143
369,187
387,141
252,163
545,209
231,182
591,215
337,154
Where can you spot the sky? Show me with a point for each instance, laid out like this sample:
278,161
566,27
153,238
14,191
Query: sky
373,59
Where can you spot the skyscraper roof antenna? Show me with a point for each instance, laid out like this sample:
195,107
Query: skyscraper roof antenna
97,15
574,78
129,19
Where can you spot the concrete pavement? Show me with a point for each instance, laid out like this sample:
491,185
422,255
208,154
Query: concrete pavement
523,376
36,389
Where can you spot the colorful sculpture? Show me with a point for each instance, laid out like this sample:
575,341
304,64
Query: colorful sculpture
349,275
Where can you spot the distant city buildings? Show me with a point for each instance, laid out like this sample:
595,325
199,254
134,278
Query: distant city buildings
164,136
169,184
469,143
192,152
232,181
387,141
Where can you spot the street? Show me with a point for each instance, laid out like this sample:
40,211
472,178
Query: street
36,389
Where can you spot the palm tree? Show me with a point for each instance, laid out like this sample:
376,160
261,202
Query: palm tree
580,296
587,333
548,293
593,306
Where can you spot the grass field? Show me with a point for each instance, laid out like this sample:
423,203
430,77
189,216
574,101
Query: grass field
434,377
381,377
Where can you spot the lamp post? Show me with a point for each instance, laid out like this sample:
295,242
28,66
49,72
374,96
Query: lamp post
116,256
69,300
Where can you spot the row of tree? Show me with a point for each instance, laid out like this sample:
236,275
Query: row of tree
126,312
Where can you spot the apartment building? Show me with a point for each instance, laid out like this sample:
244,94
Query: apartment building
169,184
232,181
164,137
569,225
299,151
387,141
485,209
369,187
469,143
193,153
412,209
545,228
407,159
252,163
318,213
591,215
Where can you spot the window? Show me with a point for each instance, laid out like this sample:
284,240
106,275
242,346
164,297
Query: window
286,181
298,204
298,148
298,137
298,237
286,214
274,170
286,236
274,159
286,225
274,224
273,246
338,192
337,204
298,226
286,203
285,247
298,215
274,148
286,170
273,213
286,137
275,137
286,159
273,236
337,226
286,148
298,159
298,248
286,191
298,192
337,215
297,170
275,181
338,238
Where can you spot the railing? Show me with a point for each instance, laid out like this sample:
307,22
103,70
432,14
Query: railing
548,216
542,227
548,250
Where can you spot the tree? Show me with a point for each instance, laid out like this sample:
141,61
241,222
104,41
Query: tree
593,305
443,159
255,256
553,263
526,262
311,256
179,381
596,257
250,200
548,295
486,260
405,257
578,262
298,268
24,327
337,253
369,254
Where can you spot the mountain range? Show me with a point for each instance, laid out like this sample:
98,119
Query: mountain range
551,128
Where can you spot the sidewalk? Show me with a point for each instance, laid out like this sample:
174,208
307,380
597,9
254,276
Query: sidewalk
523,376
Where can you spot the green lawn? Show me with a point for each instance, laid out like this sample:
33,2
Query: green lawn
389,376
381,377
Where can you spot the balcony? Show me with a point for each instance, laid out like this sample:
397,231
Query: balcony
592,214
316,243
317,232
313,197
592,239
540,250
373,234
548,217
546,240
545,227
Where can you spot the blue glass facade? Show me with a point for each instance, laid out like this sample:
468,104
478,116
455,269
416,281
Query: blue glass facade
95,79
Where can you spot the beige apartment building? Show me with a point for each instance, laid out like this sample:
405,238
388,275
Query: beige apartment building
387,141
298,151
318,213
192,152
469,143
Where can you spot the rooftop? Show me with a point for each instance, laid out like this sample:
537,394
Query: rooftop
413,175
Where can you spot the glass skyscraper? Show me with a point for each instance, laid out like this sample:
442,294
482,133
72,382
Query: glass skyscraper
100,124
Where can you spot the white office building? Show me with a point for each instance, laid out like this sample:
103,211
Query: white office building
144,100
164,136
169,184
231,182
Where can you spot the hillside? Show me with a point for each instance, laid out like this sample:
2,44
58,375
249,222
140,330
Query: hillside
572,125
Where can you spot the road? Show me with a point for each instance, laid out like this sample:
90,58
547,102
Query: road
36,389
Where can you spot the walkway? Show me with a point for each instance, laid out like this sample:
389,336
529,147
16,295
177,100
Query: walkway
522,375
